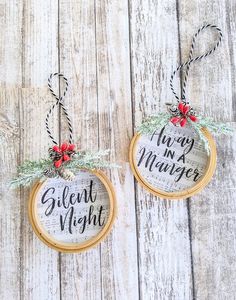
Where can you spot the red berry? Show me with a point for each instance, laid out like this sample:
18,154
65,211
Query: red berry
186,109
66,157
71,147
181,106
56,149
58,163
193,118
175,120
64,147
183,122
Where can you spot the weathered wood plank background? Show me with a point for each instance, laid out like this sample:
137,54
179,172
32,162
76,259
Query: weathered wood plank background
118,56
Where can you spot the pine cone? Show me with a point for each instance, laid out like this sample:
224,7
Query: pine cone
172,109
53,154
66,174
50,173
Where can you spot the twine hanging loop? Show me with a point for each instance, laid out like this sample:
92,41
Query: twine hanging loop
59,101
192,59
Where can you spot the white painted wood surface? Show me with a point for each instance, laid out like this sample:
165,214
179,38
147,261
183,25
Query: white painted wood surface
118,56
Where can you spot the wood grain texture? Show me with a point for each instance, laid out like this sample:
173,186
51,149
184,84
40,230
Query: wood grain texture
114,103
212,212
11,15
10,208
39,264
118,57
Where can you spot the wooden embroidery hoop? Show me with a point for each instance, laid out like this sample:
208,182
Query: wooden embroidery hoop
187,192
72,247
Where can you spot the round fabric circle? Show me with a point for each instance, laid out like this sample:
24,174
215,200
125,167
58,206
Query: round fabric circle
172,162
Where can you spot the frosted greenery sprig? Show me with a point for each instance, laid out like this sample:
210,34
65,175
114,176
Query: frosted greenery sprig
160,120
214,127
154,122
30,171
91,161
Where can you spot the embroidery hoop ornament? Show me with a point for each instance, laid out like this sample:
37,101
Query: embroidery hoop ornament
210,168
175,115
63,162
72,247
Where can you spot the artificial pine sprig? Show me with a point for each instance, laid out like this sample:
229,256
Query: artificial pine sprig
91,161
180,116
154,122
30,171
202,137
214,127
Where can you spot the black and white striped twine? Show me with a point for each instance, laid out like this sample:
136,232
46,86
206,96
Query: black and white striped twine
60,101
191,60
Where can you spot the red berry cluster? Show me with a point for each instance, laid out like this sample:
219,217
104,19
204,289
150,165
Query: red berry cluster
64,153
184,114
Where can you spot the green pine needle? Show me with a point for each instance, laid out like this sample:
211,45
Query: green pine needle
202,137
91,161
213,127
30,171
153,123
